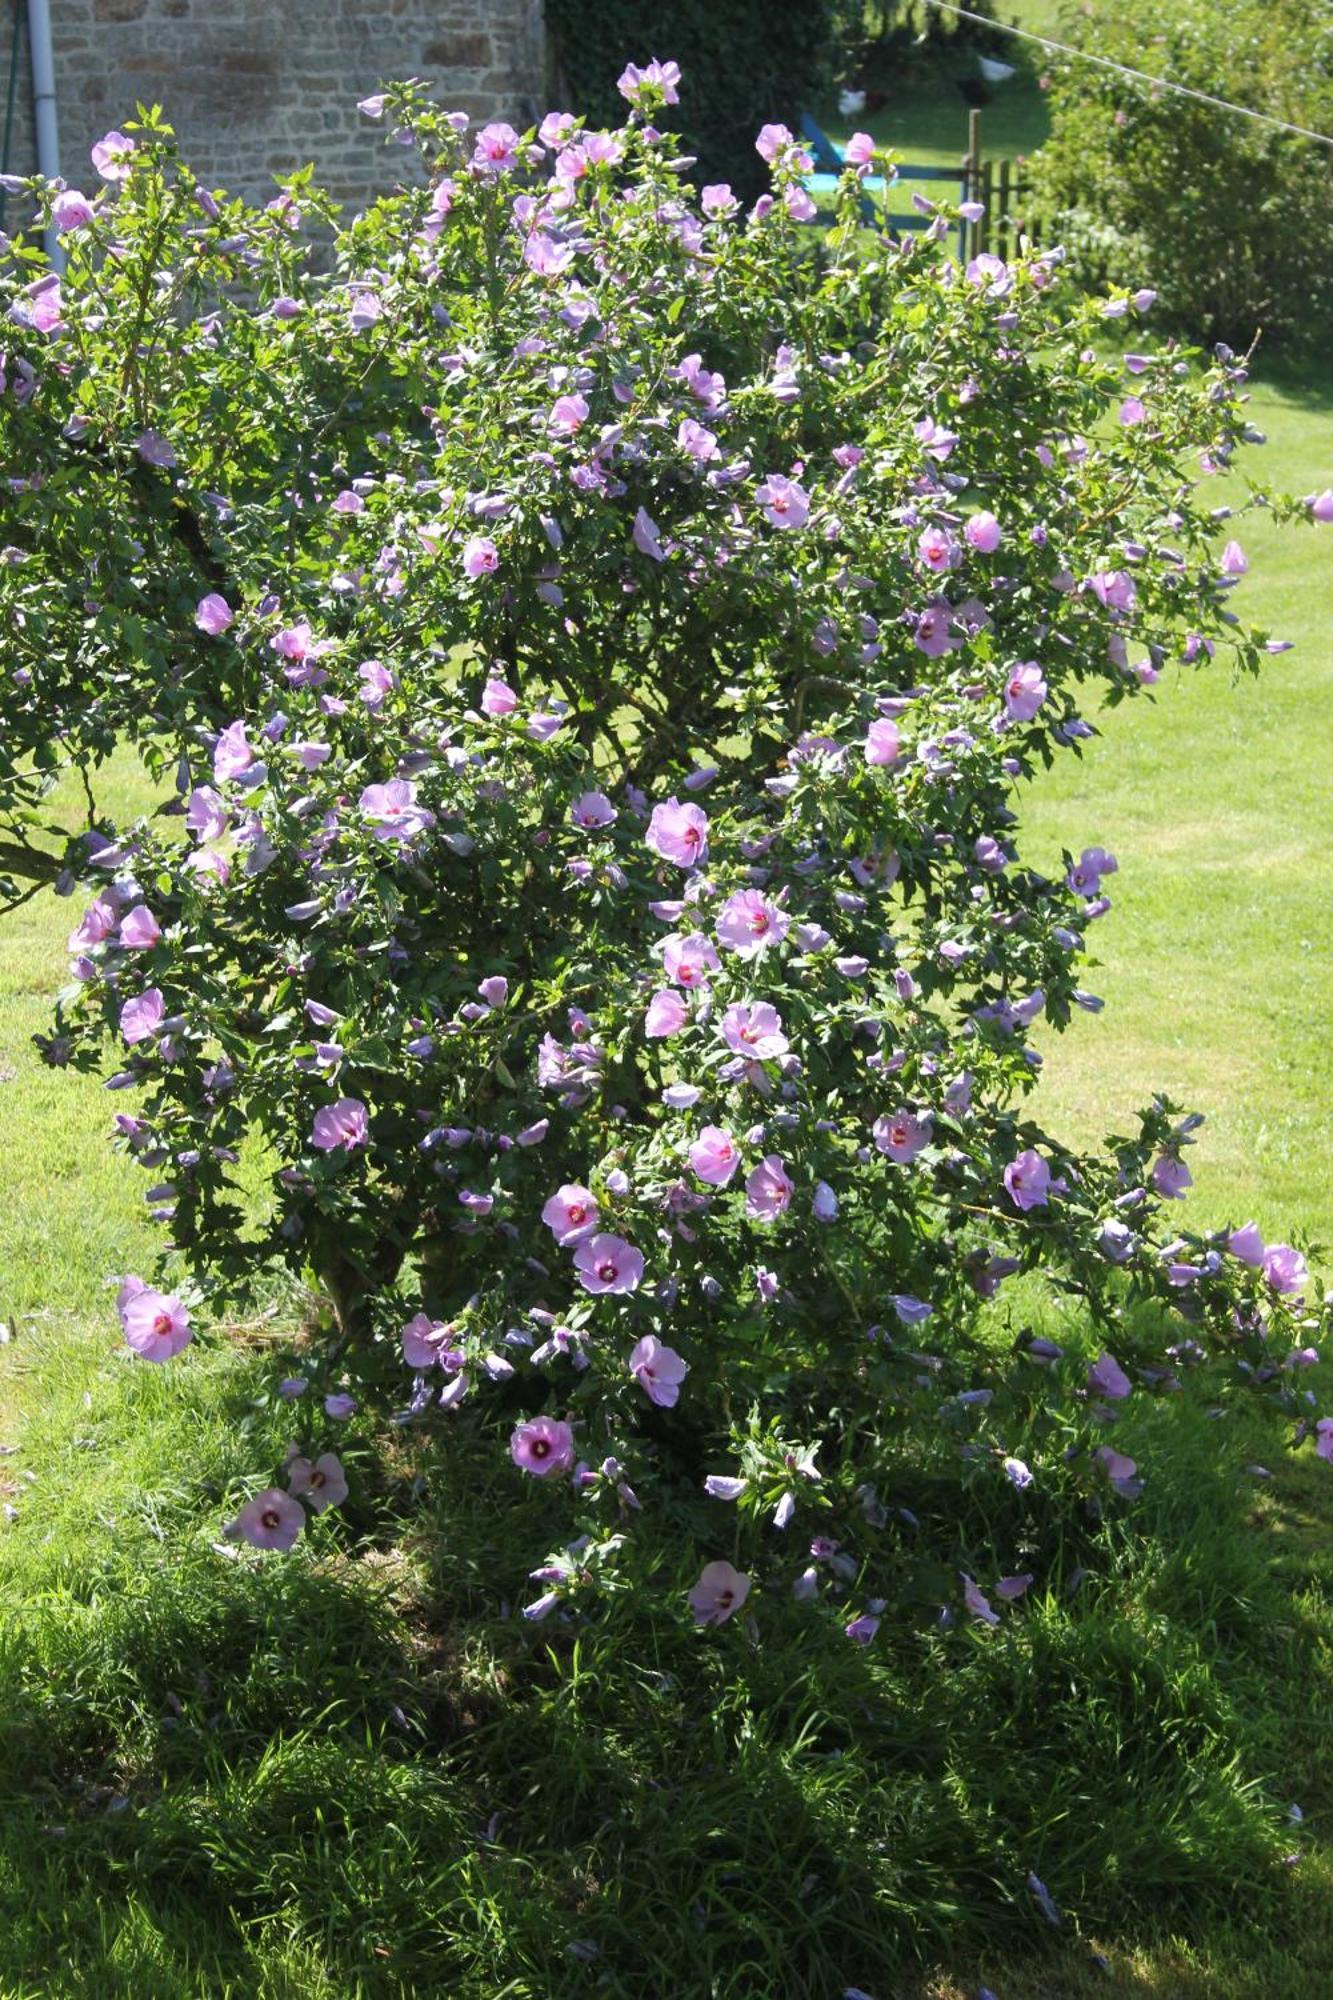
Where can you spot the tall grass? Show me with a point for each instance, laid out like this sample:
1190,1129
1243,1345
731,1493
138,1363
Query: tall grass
355,1771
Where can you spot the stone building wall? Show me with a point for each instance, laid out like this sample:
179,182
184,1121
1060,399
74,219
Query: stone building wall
258,87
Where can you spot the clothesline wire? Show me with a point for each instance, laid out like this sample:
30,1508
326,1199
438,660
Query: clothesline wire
1137,75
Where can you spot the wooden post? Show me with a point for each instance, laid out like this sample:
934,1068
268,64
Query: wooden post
969,238
1003,217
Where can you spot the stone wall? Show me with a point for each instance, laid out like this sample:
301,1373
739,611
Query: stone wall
258,87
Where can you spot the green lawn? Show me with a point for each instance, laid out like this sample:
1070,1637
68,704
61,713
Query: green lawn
71,1211
349,1775
1218,953
1216,798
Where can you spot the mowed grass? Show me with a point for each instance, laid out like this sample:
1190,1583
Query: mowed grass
354,1772
1217,957
69,1208
71,1211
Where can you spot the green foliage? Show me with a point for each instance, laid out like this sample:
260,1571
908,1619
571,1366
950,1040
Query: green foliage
743,64
1231,220
286,1839
387,1003
885,38
824,609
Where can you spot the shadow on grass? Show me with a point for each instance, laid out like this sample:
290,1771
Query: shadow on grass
1308,383
348,1772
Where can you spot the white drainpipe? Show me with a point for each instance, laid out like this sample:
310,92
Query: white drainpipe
44,109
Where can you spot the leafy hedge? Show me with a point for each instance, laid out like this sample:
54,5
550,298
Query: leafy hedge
1232,220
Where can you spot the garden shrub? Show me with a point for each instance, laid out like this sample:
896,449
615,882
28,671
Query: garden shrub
592,641
890,42
1234,219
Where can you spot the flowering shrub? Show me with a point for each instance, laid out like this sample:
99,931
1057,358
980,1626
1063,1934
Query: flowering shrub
596,640
1233,217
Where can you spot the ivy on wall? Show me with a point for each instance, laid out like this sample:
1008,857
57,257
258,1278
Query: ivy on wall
744,63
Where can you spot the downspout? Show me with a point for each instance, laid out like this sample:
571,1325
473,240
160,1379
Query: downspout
44,110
